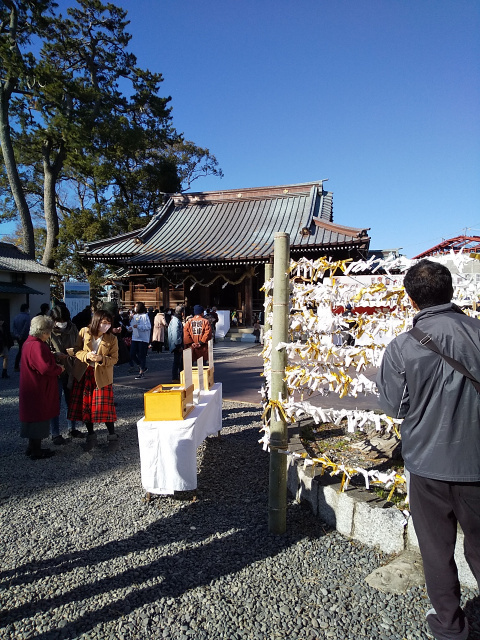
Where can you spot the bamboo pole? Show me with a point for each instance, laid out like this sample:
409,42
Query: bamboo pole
277,502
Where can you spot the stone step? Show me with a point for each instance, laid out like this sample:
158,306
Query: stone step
240,330
238,337
240,334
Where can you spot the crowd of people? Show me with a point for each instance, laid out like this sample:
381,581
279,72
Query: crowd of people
74,358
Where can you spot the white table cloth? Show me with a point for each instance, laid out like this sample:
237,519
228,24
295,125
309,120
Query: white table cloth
168,449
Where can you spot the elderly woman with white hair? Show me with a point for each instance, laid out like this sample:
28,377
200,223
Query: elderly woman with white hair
39,400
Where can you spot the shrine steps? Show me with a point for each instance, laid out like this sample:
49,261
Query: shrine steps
239,334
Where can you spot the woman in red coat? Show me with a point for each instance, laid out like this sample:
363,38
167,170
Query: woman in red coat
39,400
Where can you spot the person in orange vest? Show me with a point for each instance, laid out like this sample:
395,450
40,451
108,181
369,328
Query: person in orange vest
196,334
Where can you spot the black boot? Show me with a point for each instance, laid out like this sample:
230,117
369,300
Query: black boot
111,431
5,374
36,451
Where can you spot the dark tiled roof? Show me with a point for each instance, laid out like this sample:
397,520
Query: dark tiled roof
231,227
13,259
9,287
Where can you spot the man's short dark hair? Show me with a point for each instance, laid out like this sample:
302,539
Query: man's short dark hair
24,307
428,284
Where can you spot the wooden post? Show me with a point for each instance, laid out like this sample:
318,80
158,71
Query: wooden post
165,294
277,503
248,302
130,291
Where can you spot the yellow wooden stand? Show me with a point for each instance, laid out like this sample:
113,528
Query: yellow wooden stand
208,381
168,402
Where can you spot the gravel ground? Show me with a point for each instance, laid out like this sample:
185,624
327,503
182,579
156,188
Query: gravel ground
83,556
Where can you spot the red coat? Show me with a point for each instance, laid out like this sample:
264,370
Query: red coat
196,334
39,397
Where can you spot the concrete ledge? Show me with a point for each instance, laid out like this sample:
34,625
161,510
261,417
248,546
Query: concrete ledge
360,514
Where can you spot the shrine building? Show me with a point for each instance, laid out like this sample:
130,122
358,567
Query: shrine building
210,247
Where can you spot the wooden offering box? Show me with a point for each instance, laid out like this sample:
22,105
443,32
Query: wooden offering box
168,402
208,381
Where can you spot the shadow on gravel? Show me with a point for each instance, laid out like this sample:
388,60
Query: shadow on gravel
222,532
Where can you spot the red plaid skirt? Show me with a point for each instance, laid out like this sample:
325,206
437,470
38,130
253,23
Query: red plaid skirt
89,404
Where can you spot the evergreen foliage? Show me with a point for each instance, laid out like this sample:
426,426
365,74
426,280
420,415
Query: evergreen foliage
93,150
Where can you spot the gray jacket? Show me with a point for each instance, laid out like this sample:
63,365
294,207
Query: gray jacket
440,407
175,333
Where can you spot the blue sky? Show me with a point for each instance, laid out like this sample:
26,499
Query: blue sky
382,97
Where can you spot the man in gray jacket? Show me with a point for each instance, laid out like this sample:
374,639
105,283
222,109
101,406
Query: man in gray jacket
440,436
175,342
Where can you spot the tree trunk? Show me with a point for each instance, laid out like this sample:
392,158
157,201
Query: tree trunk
50,175
12,173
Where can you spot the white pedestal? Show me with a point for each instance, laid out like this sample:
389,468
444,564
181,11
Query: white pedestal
223,324
168,449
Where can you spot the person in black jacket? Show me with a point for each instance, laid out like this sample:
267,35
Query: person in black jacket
440,436
64,336
6,342
83,318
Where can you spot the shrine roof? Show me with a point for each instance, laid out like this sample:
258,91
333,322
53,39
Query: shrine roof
13,259
232,227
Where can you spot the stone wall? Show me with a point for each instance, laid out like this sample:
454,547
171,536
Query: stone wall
360,514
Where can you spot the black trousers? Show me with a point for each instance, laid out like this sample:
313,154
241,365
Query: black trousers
18,357
177,365
436,508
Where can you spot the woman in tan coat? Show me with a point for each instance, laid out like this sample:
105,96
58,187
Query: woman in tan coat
92,394
158,335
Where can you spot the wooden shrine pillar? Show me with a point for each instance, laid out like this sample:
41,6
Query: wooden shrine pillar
248,321
203,294
165,294
130,290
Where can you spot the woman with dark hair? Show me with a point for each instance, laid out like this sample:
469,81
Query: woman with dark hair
38,394
64,336
140,329
96,354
